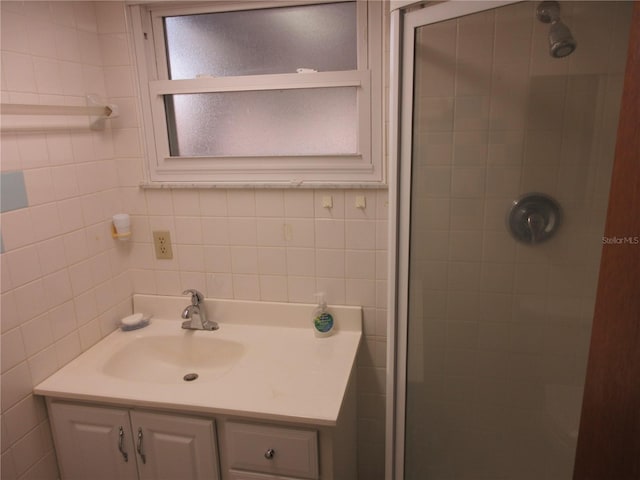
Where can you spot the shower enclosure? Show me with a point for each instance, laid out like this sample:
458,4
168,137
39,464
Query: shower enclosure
507,115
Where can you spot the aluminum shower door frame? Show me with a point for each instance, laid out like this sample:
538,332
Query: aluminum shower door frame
404,23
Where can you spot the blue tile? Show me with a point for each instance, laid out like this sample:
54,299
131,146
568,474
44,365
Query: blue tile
13,194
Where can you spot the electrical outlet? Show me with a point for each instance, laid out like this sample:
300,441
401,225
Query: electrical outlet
162,244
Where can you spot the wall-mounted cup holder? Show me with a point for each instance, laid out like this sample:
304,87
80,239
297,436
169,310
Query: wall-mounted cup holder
534,218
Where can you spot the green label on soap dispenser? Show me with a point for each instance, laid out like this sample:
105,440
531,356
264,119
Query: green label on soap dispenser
323,322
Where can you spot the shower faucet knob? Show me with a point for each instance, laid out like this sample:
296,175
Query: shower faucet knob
534,218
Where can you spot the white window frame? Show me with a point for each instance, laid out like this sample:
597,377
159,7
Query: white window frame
364,168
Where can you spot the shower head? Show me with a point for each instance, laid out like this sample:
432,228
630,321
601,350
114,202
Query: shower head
561,42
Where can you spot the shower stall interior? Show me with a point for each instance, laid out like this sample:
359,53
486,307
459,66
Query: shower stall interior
507,115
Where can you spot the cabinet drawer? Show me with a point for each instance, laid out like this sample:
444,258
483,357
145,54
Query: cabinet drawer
274,450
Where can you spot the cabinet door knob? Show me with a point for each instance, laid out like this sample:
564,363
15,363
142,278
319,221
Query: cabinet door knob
269,453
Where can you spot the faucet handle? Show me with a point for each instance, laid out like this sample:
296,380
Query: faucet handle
196,296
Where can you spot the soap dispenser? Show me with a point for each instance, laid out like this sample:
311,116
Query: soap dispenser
322,319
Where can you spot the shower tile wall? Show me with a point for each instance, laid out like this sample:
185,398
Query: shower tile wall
66,282
505,326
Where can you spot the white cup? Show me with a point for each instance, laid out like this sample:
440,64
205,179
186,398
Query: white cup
122,222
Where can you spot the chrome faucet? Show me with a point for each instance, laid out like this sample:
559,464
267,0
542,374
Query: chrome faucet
195,315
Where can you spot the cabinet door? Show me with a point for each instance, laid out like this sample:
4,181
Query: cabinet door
175,447
93,442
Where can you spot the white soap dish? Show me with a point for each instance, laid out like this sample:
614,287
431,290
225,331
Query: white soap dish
135,321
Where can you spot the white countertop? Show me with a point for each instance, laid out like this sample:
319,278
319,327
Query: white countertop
283,371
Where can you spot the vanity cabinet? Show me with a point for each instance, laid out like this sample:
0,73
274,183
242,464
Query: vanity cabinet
95,442
270,400
113,442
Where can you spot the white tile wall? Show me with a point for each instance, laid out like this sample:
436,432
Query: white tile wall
60,269
65,282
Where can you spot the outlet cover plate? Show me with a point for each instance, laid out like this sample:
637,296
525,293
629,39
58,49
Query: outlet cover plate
162,244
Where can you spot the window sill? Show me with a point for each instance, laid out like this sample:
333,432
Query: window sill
266,185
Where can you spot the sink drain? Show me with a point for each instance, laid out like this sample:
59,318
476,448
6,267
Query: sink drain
190,377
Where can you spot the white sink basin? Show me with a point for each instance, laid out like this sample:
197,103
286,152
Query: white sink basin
168,358
264,362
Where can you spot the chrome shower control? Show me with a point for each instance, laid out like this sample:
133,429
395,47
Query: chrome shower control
534,218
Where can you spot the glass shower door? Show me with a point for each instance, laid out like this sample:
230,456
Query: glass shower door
498,327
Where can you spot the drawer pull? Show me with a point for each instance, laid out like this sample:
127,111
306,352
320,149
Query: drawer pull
121,445
143,457
269,453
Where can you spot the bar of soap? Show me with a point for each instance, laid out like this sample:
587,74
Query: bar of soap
137,320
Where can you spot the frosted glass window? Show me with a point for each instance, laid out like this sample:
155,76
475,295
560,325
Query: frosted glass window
226,103
312,121
265,41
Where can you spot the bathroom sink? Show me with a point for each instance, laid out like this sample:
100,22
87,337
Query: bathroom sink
263,362
168,358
